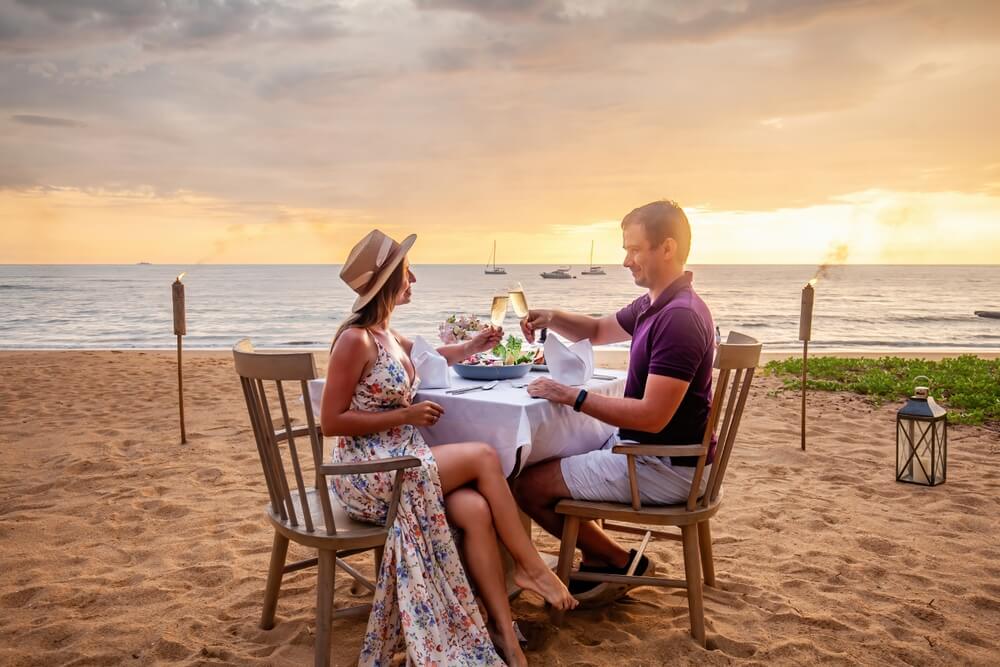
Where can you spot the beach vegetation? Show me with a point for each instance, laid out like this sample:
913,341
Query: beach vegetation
968,386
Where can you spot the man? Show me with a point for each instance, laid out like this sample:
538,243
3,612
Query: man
667,393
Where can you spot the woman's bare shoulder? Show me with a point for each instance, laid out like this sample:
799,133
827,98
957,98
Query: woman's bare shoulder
354,341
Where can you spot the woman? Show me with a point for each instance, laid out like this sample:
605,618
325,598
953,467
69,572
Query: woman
368,403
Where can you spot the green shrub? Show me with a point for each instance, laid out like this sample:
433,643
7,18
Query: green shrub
969,387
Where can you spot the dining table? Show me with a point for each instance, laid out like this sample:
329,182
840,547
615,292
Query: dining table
522,429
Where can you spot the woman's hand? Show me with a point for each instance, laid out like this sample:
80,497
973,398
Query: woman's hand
486,339
552,391
425,413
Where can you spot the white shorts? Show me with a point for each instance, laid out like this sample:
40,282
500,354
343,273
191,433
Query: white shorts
602,475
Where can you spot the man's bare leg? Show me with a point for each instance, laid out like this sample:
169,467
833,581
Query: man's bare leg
538,489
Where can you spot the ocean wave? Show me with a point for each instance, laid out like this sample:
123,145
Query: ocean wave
932,319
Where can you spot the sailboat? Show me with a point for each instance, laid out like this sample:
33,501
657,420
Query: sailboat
593,270
491,266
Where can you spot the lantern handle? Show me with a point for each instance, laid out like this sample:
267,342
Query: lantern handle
928,383
922,390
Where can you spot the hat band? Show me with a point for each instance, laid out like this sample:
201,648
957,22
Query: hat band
363,280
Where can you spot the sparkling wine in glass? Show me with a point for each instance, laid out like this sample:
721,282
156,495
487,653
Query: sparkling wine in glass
519,301
499,309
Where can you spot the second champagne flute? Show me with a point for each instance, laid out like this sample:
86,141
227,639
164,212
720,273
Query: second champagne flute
499,308
519,301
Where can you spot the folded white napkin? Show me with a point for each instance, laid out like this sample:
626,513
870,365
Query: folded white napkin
316,395
431,367
569,365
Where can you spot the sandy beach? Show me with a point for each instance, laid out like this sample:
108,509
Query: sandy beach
119,545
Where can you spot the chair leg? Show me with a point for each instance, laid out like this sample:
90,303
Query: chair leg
705,542
279,551
356,587
567,548
692,572
324,605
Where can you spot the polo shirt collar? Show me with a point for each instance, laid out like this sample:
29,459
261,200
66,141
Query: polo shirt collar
673,289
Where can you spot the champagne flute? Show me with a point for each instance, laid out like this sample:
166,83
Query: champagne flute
519,301
499,308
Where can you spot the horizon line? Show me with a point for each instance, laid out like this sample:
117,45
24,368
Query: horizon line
699,264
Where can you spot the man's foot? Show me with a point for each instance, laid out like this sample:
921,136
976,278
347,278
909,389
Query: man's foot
508,646
601,591
545,582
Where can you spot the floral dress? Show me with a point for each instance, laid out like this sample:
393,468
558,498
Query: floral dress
422,597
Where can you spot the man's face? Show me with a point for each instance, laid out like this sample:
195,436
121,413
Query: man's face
647,263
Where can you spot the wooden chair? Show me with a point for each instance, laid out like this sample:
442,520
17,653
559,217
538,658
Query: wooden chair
736,360
309,515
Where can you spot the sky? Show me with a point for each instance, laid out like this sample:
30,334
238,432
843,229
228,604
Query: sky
239,131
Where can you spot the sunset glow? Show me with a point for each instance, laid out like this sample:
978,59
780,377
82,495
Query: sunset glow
282,132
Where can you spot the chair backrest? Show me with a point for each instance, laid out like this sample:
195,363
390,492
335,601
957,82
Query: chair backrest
254,368
736,360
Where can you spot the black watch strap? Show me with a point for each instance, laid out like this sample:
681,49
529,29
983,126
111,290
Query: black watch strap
580,398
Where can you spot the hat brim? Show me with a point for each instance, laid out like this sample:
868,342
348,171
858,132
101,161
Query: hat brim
384,272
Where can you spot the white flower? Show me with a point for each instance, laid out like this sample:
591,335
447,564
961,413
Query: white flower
458,328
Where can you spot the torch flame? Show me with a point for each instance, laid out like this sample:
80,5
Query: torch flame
812,282
183,273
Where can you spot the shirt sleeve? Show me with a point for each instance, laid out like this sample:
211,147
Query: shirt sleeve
628,315
678,346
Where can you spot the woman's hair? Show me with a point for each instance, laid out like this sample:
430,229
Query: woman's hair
378,309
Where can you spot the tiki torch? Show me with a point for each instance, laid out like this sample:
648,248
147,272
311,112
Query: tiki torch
805,333
180,329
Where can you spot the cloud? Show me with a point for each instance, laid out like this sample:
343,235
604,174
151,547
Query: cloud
506,10
45,121
709,21
28,26
482,115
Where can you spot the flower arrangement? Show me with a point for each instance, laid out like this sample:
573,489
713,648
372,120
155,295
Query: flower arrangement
458,328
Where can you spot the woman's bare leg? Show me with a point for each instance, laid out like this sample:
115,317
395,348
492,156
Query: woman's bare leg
468,510
477,463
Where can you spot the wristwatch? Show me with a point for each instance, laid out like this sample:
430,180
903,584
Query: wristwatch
580,398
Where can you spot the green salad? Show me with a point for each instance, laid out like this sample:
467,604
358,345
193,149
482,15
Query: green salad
511,354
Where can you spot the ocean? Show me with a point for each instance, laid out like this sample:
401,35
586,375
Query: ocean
858,308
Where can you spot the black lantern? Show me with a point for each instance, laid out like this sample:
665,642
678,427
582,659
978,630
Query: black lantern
921,440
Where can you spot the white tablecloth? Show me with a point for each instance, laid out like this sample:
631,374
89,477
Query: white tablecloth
510,420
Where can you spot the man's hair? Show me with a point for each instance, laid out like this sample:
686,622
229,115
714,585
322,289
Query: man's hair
662,220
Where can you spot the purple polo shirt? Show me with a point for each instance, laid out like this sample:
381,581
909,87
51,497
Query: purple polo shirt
673,336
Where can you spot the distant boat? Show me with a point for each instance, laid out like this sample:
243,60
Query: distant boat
992,314
142,264
558,274
491,266
593,270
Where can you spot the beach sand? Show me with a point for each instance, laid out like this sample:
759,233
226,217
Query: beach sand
121,546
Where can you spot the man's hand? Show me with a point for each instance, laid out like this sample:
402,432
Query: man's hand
536,319
486,339
552,391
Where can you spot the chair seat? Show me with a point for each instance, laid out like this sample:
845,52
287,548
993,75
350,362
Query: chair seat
351,534
657,515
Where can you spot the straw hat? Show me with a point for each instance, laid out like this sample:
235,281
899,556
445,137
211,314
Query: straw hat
371,262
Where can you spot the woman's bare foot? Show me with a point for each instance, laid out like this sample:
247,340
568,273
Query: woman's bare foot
510,648
545,582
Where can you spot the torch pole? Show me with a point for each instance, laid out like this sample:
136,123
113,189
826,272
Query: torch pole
180,328
180,389
805,334
805,366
